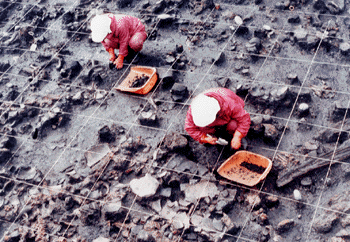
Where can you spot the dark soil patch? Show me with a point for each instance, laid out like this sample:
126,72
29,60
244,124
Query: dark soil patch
139,81
253,167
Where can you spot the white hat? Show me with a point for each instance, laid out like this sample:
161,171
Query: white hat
204,110
100,27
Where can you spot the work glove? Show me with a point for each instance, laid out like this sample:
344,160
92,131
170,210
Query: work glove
119,62
236,140
111,54
208,139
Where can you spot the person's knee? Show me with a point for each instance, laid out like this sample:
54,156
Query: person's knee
136,42
136,45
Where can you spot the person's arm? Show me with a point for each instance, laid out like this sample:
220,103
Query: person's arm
124,36
111,54
236,140
242,118
195,132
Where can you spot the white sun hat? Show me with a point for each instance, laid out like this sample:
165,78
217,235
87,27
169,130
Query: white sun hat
100,27
204,110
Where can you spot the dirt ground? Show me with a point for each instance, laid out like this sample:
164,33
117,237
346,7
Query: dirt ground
72,145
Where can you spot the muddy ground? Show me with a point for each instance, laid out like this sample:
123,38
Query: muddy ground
73,148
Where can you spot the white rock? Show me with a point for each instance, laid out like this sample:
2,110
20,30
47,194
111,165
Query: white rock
33,47
253,199
77,96
145,186
199,190
100,95
156,206
9,85
300,33
181,220
101,239
96,153
238,20
303,107
56,110
266,27
297,195
164,16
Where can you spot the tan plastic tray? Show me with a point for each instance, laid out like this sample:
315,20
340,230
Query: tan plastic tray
150,72
232,169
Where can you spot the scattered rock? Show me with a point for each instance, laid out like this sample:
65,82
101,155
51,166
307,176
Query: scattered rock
166,75
297,195
344,48
309,147
144,236
223,81
294,19
346,169
175,141
179,92
311,42
253,200
303,109
199,190
165,20
232,228
200,6
337,239
271,201
285,225
300,34
106,135
169,59
145,186
148,118
78,98
335,6
5,154
124,3
242,30
306,181
254,45
325,222
101,239
238,20
282,5
219,59
271,133
96,153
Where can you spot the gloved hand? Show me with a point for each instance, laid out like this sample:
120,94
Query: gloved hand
119,62
111,54
208,139
236,140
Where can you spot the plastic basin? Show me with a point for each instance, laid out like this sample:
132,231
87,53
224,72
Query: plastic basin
246,168
138,71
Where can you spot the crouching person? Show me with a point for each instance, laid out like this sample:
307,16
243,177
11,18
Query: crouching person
117,31
214,109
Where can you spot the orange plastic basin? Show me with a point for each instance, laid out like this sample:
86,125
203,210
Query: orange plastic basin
246,168
138,71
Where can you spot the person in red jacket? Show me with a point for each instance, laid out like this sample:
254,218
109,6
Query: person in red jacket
117,31
217,108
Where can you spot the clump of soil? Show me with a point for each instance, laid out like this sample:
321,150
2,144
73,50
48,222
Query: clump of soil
253,167
139,81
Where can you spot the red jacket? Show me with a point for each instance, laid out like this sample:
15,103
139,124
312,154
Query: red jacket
123,27
231,108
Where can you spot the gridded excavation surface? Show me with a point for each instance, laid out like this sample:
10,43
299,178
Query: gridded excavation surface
82,161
